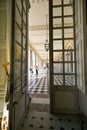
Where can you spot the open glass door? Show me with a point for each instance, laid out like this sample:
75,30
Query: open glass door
19,73
64,95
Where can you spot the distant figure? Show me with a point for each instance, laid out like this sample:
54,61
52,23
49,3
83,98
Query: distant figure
36,70
31,71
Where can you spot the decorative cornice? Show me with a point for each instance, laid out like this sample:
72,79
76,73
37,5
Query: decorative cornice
44,27
37,1
38,27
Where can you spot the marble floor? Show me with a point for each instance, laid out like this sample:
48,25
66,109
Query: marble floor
39,116
47,121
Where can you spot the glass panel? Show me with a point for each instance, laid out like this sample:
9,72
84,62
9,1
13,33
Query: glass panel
69,68
58,68
57,45
57,33
68,33
68,10
17,70
57,22
17,84
70,80
24,69
23,81
58,79
69,56
19,4
24,42
68,1
18,17
68,44
24,30
68,21
24,4
57,11
17,53
24,17
18,35
24,55
56,2
57,56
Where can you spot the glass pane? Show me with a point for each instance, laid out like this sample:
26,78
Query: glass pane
24,4
24,30
68,1
58,68
24,69
24,55
24,42
57,45
69,68
18,17
57,33
18,35
69,56
68,10
17,84
58,79
17,53
68,21
68,44
57,56
70,80
57,11
19,4
68,33
24,81
57,22
24,17
56,2
17,70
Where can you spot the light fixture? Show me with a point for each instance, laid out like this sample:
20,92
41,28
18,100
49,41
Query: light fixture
46,45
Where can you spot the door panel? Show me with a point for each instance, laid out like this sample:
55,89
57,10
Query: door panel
19,98
64,94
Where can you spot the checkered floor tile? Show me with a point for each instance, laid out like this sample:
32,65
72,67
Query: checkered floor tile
40,84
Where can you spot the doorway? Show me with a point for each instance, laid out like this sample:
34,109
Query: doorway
38,60
38,63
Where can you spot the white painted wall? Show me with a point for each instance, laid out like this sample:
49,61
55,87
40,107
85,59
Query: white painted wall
81,43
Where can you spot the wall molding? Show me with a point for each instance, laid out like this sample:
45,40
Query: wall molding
44,27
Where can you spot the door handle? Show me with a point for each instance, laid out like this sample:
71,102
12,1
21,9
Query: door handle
15,103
